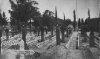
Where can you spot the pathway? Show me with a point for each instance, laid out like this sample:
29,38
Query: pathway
74,53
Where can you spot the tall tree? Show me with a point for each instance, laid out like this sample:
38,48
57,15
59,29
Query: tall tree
42,30
79,23
63,29
67,22
3,20
82,21
0,31
2,23
57,29
74,23
48,19
0,40
88,13
22,11
83,27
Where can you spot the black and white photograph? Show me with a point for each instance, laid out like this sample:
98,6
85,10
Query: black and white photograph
49,29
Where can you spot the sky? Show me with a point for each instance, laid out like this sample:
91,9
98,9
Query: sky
63,6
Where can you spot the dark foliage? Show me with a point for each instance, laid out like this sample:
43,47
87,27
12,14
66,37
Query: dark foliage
3,20
22,11
74,22
92,24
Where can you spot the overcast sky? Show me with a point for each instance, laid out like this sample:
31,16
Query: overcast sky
63,6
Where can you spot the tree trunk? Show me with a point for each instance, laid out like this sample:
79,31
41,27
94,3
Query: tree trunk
38,32
30,25
7,35
0,41
52,30
99,29
46,30
57,35
24,32
67,32
42,34
0,46
63,36
19,28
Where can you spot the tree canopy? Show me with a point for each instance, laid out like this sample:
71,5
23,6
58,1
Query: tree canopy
22,11
3,20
